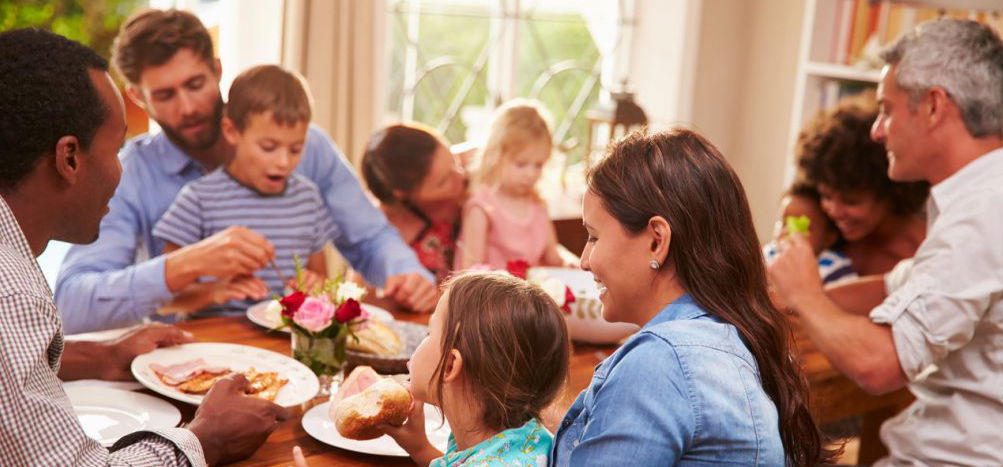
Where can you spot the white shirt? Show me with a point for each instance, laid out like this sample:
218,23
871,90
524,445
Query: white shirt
947,324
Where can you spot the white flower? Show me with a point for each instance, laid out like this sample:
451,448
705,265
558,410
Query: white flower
347,290
273,312
555,288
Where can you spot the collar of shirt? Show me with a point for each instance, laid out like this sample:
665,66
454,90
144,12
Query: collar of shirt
682,308
12,236
985,169
530,440
171,157
11,233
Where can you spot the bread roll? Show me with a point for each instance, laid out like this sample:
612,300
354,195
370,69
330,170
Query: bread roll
376,338
367,400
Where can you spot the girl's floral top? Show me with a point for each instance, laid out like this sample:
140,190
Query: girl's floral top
525,446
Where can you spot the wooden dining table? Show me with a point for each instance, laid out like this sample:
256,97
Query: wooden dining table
834,397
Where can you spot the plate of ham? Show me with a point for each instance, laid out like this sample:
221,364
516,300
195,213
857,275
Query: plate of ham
186,372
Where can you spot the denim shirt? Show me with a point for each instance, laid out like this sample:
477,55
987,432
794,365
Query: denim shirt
683,391
119,279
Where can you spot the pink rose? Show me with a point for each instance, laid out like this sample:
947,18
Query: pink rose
314,314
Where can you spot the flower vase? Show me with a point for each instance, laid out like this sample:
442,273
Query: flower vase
325,356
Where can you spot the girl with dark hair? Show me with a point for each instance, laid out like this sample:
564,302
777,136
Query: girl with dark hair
710,378
496,355
421,188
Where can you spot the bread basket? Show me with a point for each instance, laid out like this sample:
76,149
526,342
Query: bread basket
411,334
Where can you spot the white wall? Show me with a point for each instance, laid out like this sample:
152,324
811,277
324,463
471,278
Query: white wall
744,89
250,33
662,58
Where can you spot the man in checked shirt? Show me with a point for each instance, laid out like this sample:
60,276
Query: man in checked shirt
61,125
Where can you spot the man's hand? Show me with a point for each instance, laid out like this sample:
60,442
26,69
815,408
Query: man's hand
412,291
137,342
240,288
111,359
203,294
233,252
794,272
231,425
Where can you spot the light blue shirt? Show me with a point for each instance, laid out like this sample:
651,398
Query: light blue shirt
524,446
682,391
119,279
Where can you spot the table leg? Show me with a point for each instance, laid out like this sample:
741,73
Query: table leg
871,448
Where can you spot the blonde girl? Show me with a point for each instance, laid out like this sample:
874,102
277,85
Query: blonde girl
505,219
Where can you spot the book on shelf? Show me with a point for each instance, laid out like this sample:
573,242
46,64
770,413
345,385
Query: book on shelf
862,27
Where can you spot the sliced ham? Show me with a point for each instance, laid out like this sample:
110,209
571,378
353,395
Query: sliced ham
359,379
184,371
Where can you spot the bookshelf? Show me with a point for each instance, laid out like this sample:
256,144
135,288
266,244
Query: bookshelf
840,40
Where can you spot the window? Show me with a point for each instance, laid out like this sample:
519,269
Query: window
451,62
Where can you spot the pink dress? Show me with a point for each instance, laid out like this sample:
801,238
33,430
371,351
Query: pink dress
509,237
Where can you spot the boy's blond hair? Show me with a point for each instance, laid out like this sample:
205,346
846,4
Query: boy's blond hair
516,124
269,88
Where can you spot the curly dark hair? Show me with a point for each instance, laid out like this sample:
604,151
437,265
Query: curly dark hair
835,149
47,94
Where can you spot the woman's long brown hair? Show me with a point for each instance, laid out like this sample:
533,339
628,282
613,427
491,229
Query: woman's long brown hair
682,177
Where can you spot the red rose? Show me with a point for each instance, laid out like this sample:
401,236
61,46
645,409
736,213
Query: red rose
517,268
569,298
291,303
348,311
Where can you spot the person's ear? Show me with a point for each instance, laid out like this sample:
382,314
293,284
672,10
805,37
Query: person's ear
661,236
230,131
398,194
454,365
136,96
68,159
217,68
936,105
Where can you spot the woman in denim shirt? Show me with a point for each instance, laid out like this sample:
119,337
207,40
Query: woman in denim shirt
709,379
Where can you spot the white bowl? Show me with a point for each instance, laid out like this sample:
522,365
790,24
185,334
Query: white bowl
586,323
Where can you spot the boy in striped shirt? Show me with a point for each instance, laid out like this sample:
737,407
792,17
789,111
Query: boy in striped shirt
266,120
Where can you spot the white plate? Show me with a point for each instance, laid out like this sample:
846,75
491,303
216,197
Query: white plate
257,314
318,425
102,384
105,335
109,414
302,385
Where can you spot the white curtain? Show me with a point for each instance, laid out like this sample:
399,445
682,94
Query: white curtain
338,46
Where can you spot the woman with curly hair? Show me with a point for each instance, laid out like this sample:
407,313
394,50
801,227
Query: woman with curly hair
881,222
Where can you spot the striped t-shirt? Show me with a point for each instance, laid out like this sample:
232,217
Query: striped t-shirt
296,222
833,267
